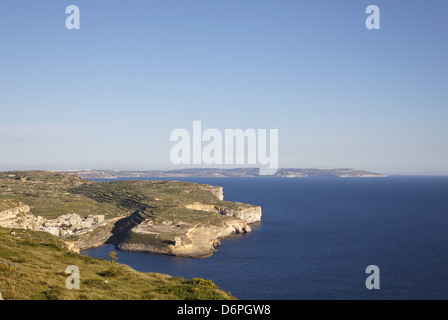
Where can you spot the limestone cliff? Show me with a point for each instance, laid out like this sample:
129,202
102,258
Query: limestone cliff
97,236
247,213
216,191
199,240
15,214
204,239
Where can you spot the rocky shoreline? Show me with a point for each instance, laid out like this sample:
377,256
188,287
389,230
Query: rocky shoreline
198,241
205,239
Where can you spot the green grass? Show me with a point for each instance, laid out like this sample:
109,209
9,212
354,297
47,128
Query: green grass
48,194
33,264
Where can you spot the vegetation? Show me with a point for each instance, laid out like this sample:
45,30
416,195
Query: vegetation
33,264
113,266
48,194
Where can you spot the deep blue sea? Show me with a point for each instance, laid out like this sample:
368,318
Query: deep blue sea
318,235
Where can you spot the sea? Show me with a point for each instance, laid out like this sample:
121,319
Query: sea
318,237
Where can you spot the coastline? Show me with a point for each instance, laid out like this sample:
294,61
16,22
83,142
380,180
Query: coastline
200,240
164,217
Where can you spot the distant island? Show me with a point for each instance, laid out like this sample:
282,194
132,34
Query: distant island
223,173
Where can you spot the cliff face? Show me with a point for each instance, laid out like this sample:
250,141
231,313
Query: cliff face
247,213
216,191
97,236
202,240
184,239
15,214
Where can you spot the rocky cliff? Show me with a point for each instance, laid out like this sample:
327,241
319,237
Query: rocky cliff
202,240
198,240
15,214
216,191
247,213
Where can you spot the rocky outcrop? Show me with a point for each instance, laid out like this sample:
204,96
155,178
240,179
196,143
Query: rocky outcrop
216,191
187,240
247,213
204,239
97,236
234,227
69,224
17,215
250,214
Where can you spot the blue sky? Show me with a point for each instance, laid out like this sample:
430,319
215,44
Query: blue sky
107,96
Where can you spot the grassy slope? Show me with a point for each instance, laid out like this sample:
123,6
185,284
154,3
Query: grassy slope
34,264
48,194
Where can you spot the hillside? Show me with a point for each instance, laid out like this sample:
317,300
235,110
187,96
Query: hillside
33,265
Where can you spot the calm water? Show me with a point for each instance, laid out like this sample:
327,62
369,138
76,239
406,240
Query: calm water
317,236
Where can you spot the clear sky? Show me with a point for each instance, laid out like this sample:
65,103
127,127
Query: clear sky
108,96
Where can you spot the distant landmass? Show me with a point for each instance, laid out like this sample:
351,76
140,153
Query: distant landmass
223,173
